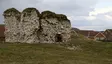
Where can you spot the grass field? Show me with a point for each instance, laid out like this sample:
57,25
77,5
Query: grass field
86,52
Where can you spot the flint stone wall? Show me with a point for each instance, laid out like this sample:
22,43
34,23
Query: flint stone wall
30,26
12,19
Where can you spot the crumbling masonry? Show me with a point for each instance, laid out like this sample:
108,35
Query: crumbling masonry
29,26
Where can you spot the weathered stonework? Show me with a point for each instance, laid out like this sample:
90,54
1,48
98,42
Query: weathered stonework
33,27
64,27
29,24
12,19
56,27
48,24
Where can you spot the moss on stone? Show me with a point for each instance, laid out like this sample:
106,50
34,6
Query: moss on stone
61,17
11,10
48,14
29,10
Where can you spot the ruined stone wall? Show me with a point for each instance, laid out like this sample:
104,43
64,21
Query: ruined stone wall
64,27
53,25
48,24
29,25
12,19
33,27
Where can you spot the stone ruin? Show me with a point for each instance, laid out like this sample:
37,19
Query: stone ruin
29,26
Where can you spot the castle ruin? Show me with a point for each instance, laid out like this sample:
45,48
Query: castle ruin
31,26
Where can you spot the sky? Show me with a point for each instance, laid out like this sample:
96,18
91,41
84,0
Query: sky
83,14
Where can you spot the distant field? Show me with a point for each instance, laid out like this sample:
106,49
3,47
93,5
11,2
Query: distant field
87,52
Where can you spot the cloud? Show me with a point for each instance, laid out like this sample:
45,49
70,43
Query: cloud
101,22
101,11
108,17
90,18
78,11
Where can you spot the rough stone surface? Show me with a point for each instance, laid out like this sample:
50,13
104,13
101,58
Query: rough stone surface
56,28
12,19
29,25
33,27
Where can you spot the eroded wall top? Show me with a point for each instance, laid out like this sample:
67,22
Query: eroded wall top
29,11
11,11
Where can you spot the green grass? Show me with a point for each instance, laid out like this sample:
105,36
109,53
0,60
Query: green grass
90,53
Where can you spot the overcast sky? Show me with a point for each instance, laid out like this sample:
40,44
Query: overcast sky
84,14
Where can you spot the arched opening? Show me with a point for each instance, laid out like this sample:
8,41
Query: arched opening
58,38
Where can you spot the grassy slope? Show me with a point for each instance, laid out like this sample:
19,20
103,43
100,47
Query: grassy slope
90,53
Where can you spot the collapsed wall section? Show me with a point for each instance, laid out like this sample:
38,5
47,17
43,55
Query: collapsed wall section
12,19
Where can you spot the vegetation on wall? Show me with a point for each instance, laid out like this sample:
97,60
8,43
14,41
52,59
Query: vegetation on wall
48,14
61,17
11,10
29,10
43,15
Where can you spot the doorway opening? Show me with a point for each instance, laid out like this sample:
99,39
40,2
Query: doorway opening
58,38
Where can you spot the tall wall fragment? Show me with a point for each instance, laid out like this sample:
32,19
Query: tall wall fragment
12,19
30,25
56,27
65,27
48,24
